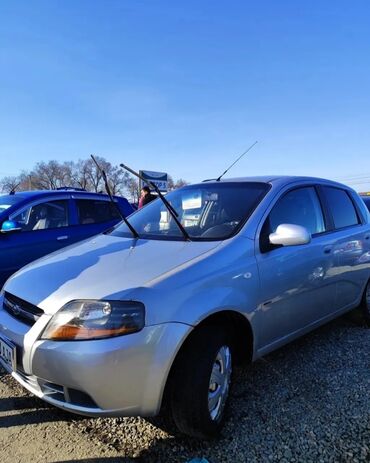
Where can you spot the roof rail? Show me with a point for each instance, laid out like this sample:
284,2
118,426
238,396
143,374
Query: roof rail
70,188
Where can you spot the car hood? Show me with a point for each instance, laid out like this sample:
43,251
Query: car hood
102,267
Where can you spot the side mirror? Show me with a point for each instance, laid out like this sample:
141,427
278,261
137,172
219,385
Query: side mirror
290,235
10,226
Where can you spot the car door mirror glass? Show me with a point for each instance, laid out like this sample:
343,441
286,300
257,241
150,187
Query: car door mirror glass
290,235
10,226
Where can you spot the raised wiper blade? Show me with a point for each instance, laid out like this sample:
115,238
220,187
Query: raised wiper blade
107,187
170,209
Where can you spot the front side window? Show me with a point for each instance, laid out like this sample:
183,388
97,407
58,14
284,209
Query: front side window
95,211
42,216
341,207
210,211
298,207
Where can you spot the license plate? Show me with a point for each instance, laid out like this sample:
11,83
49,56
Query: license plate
8,353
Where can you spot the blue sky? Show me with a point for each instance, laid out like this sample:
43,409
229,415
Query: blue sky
186,86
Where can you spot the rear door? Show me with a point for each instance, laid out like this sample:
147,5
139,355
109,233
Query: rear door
92,216
351,236
297,285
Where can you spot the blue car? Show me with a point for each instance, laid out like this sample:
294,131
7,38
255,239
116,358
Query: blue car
35,223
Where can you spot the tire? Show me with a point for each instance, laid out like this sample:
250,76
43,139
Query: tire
201,383
365,305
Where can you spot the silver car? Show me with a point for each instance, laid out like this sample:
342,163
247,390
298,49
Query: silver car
122,326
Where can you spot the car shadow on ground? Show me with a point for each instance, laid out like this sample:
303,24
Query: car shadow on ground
99,460
22,403
32,409
28,418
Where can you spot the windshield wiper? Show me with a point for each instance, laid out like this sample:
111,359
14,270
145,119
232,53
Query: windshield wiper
107,187
170,209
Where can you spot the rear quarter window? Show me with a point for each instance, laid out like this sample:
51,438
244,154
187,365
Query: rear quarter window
95,211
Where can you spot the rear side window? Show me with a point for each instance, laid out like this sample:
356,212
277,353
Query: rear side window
341,207
90,211
298,207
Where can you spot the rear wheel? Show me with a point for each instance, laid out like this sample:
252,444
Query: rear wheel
201,385
365,306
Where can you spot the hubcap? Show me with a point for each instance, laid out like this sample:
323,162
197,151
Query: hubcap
220,382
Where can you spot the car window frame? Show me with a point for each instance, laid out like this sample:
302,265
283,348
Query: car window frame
354,197
325,201
39,201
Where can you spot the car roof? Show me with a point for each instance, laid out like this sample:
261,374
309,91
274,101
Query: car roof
279,179
62,192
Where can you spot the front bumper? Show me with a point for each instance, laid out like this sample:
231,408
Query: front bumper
122,376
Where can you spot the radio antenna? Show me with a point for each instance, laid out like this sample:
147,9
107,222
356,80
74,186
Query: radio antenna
243,154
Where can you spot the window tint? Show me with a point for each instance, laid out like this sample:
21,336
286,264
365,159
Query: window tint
341,206
299,207
90,211
42,216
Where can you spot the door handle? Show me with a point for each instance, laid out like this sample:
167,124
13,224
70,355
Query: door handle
328,249
61,238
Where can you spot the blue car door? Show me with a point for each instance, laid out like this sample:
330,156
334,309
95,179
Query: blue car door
44,228
92,216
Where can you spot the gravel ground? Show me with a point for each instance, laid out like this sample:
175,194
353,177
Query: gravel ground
307,402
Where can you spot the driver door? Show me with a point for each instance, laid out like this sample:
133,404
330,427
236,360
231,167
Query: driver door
297,284
44,229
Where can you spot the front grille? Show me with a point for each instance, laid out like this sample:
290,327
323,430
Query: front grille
21,310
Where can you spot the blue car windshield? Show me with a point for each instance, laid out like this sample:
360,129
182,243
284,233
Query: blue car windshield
7,201
209,211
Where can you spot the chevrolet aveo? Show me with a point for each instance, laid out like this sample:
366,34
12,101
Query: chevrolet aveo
121,325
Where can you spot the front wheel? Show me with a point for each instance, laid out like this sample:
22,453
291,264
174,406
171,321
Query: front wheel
201,385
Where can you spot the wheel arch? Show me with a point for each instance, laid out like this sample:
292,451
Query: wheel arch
242,337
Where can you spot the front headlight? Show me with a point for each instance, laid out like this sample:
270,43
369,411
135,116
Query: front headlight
88,319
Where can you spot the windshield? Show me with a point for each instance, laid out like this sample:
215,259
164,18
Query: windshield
210,211
7,201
